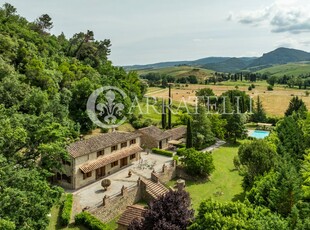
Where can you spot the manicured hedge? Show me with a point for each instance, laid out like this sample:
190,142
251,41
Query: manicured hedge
182,145
66,210
162,152
90,222
180,151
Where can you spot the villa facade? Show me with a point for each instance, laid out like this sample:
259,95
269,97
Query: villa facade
99,156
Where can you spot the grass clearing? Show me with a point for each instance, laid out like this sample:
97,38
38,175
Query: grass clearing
55,222
225,184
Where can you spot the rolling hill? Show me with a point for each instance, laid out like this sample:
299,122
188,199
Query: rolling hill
198,62
280,56
180,71
290,69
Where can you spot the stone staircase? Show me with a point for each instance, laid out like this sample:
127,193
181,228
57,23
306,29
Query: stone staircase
154,189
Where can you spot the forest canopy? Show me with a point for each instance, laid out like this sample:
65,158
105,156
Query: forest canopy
45,81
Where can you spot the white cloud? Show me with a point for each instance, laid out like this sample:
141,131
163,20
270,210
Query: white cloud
254,17
282,16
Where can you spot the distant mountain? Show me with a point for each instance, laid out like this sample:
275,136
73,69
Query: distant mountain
199,62
232,64
156,65
281,56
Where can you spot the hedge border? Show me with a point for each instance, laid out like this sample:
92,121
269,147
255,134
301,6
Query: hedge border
89,221
162,152
66,210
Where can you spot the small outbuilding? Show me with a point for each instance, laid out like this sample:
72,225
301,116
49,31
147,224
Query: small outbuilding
132,212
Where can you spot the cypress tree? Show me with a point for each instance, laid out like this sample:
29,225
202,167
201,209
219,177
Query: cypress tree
189,135
169,108
163,115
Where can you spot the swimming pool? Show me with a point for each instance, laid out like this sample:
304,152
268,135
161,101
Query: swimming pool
258,134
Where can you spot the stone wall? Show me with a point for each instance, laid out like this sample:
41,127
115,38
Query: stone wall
167,173
114,205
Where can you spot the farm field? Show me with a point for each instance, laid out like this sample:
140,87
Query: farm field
275,102
180,71
225,184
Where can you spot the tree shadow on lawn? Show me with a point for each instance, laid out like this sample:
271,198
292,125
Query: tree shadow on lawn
231,143
196,181
239,197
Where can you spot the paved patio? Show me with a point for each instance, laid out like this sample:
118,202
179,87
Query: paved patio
92,194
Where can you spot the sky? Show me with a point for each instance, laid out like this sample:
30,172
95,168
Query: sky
150,31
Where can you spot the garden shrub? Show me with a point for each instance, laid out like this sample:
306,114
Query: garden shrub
180,151
182,145
90,222
66,210
162,152
269,88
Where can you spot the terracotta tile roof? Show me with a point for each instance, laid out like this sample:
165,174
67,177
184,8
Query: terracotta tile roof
154,132
177,133
99,142
131,213
104,160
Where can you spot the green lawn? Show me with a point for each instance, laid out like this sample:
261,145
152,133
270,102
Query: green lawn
225,184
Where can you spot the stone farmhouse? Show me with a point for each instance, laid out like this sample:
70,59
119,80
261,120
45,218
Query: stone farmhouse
153,137
94,158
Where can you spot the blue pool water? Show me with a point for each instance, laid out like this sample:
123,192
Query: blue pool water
259,134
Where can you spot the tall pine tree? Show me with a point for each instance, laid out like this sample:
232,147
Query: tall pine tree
189,134
164,115
259,114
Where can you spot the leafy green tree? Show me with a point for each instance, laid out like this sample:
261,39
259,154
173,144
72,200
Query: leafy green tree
291,138
305,172
164,82
218,125
32,196
258,157
272,80
240,101
7,225
44,22
296,105
206,97
235,215
189,135
81,90
201,129
170,211
235,126
198,163
192,79
259,114
279,190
